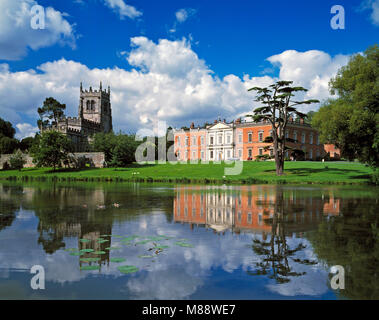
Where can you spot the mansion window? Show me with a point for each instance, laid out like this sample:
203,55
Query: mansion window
193,155
228,138
249,218
260,151
220,139
178,141
240,153
202,140
311,138
202,155
311,154
211,155
260,136
250,153
211,140
186,156
271,152
178,155
287,134
295,135
240,138
250,137
186,141
228,154
194,140
303,137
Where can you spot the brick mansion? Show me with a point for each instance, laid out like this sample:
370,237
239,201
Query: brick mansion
244,140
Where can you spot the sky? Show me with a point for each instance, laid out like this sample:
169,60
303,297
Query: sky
175,61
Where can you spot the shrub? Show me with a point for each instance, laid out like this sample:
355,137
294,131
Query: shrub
6,166
17,160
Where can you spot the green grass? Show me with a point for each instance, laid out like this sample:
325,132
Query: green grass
253,172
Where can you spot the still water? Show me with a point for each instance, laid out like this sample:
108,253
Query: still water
188,242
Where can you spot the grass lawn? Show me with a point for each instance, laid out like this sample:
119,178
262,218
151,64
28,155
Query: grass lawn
253,172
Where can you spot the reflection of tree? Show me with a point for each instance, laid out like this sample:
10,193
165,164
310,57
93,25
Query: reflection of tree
8,206
276,252
352,241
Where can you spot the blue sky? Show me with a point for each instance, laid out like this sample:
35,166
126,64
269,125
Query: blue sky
177,61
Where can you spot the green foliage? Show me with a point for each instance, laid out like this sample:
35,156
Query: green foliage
50,112
53,149
124,151
26,144
6,129
17,160
119,149
8,145
351,122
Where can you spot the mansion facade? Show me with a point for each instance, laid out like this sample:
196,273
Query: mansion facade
244,140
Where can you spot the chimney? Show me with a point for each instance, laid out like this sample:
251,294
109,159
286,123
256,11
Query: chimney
301,120
238,120
290,119
224,120
216,121
192,126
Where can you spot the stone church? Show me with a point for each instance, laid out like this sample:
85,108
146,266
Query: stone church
94,116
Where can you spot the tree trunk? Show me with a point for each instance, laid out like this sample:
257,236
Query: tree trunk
280,165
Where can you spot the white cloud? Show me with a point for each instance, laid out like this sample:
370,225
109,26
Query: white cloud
123,9
16,34
181,16
167,81
311,69
374,6
25,130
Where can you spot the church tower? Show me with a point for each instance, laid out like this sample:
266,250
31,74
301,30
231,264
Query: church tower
95,106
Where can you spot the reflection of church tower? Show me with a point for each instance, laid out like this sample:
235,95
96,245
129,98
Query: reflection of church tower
95,106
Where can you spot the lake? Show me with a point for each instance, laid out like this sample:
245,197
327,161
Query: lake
158,241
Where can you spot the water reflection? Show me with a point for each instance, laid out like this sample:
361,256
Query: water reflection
249,242
253,208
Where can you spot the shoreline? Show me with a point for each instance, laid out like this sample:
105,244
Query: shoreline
332,173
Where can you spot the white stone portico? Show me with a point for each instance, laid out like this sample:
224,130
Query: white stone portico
220,141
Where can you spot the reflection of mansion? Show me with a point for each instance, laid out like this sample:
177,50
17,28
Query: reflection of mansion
249,209
245,141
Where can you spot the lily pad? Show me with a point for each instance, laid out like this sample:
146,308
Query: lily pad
87,250
117,260
184,244
143,242
71,249
145,256
116,236
76,253
89,259
112,248
102,241
99,252
84,240
162,247
90,268
127,269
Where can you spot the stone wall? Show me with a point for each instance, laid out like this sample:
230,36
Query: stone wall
96,159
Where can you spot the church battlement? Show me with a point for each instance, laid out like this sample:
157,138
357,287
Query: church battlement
94,116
